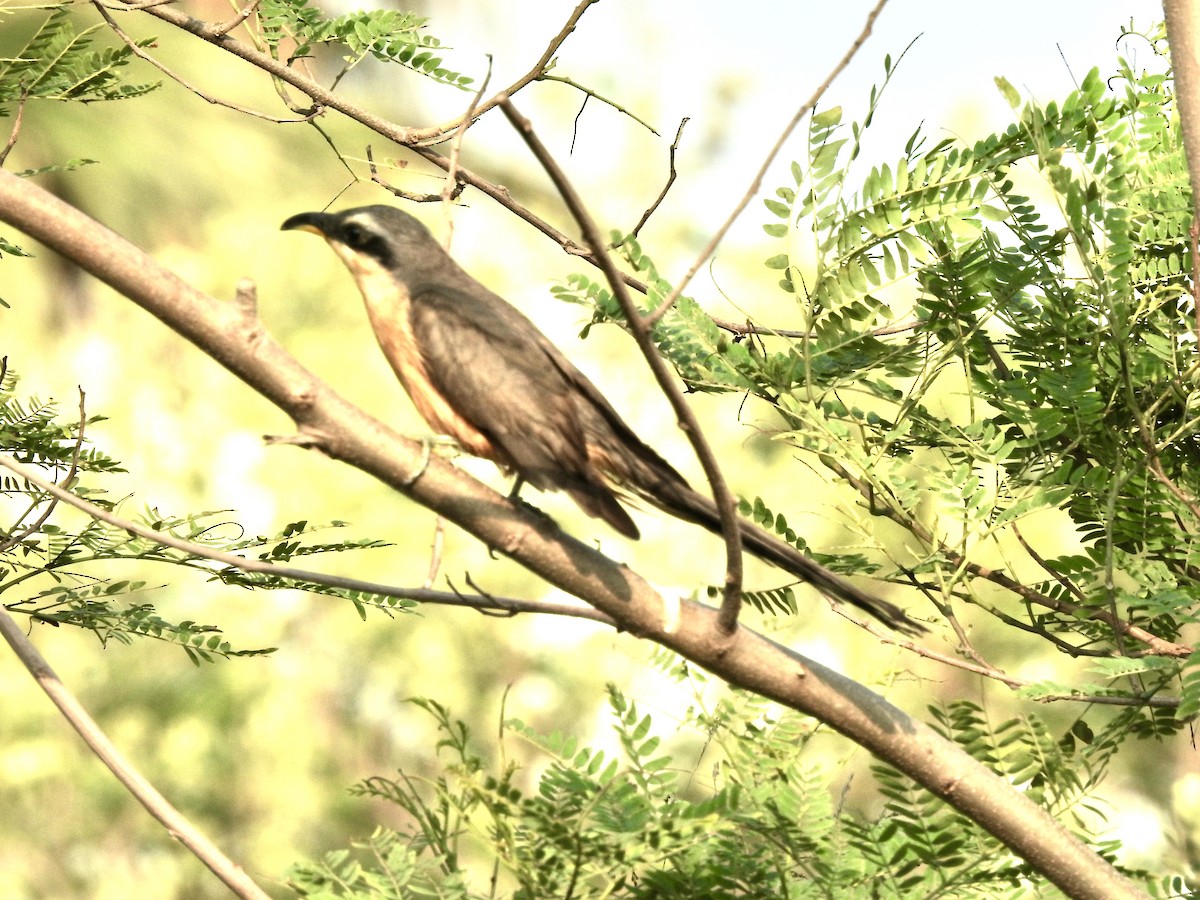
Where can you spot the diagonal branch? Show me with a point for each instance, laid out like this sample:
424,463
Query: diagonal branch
744,659
176,824
640,328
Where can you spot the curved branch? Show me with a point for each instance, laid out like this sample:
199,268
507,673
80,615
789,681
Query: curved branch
745,658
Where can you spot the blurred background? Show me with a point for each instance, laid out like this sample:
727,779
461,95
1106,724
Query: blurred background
261,751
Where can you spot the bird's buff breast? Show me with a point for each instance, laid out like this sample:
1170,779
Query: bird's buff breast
388,308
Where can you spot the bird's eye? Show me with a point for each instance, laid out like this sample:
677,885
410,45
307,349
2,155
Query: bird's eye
355,236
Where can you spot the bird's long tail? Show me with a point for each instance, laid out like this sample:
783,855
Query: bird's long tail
679,499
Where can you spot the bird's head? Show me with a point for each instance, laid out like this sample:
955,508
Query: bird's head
372,236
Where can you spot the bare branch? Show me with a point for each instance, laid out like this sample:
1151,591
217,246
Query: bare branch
453,186
641,331
400,192
752,191
662,195
15,132
176,824
588,93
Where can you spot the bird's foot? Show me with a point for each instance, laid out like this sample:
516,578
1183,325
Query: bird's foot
515,498
426,451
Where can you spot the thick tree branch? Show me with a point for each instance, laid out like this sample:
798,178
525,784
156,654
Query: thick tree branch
1183,36
745,659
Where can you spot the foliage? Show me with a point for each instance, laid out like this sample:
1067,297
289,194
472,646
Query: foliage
962,355
637,824
53,574
388,35
970,357
58,64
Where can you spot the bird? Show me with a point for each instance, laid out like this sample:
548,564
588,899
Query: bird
479,371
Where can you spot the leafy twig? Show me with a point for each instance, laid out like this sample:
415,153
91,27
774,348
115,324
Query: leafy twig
141,54
505,604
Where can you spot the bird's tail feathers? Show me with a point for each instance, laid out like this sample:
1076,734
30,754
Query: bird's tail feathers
680,500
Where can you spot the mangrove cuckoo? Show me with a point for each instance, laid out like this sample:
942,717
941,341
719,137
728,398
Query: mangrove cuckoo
481,372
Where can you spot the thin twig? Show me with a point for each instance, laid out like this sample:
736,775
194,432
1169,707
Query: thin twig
226,27
15,538
545,62
662,195
176,824
141,54
947,611
988,671
435,551
134,7
400,192
1046,567
1154,464
259,567
640,329
752,191
575,124
588,92
453,186
16,129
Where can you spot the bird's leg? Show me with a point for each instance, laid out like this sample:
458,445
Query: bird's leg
515,494
514,497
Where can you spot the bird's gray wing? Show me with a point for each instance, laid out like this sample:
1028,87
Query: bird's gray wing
504,377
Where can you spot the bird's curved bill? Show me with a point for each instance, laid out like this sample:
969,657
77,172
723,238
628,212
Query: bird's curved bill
316,222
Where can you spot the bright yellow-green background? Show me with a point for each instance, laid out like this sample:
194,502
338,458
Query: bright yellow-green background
260,751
